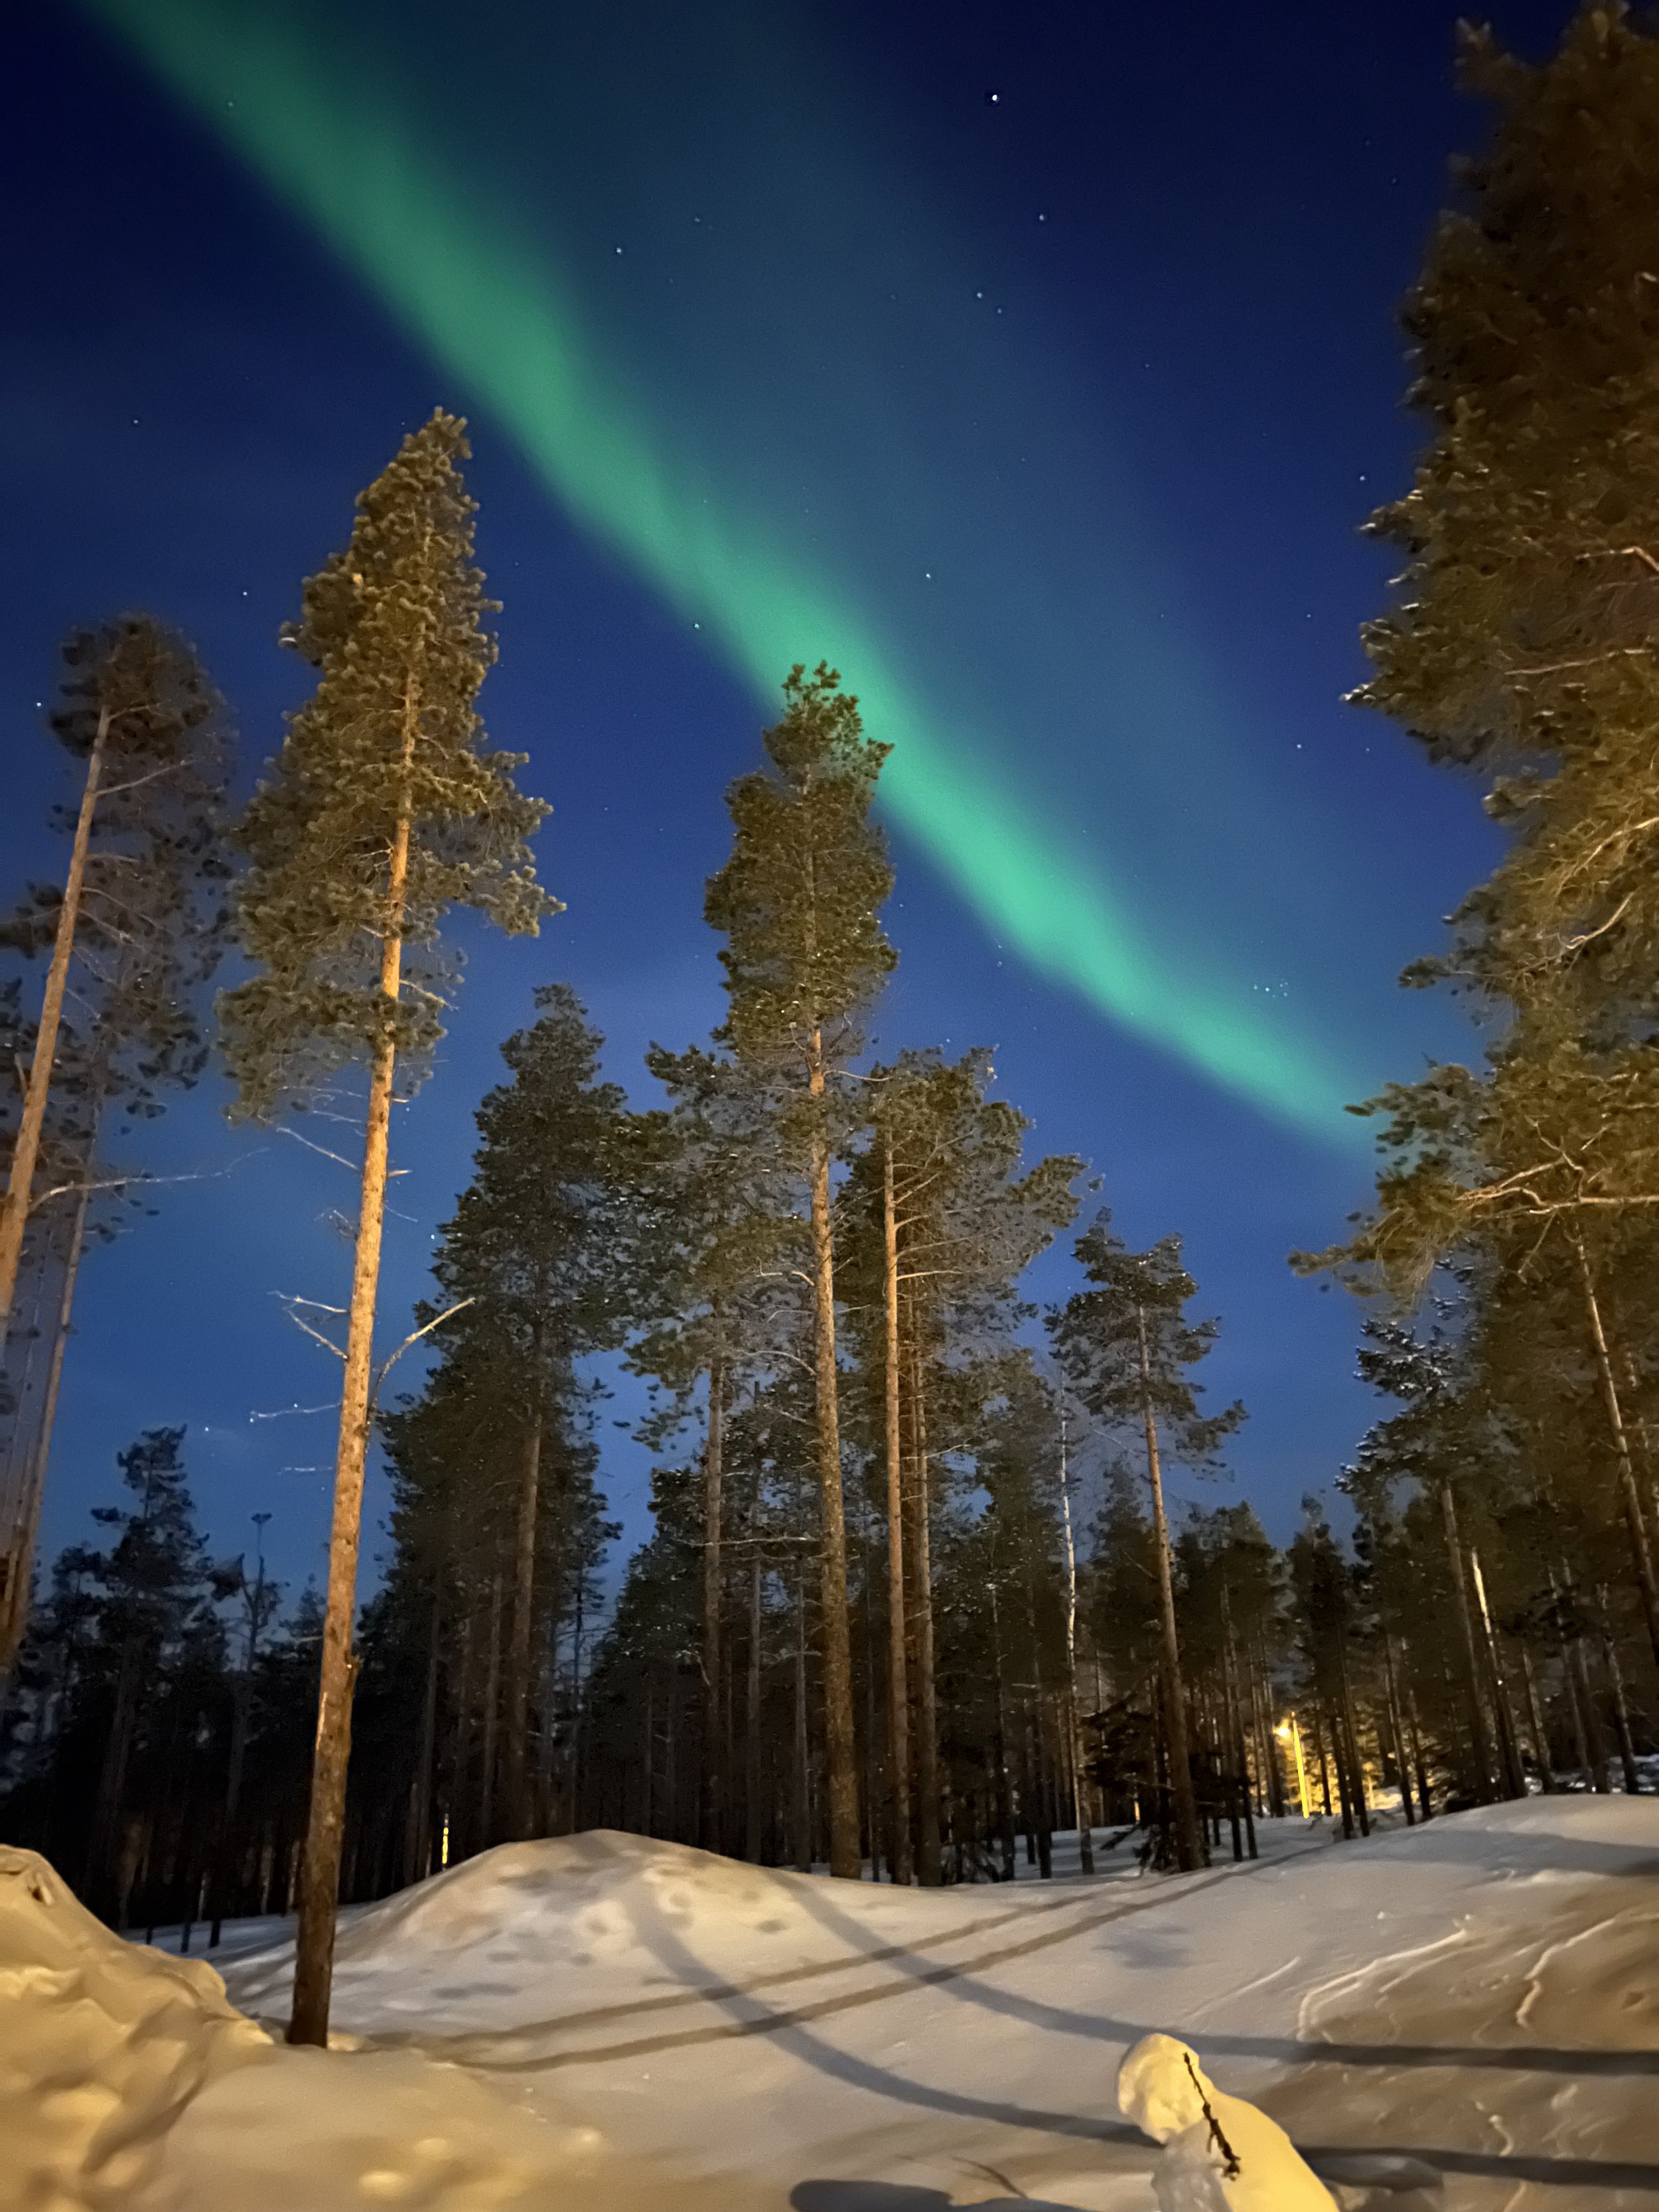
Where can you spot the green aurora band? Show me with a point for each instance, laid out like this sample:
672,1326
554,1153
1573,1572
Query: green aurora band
489,302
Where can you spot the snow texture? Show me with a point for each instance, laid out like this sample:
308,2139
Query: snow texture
1459,2018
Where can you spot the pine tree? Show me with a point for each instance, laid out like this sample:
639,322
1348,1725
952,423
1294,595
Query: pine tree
723,1259
798,902
138,926
539,1245
384,809
1520,647
1125,1345
153,1603
942,1222
139,708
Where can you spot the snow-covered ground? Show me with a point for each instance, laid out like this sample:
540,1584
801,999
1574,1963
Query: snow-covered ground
606,2022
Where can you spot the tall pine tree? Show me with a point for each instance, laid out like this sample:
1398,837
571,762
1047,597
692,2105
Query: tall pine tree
1125,1344
799,902
384,809
134,933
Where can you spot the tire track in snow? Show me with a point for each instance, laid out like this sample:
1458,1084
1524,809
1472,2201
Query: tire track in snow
490,2050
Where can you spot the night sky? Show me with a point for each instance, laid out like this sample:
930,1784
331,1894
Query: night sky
1034,364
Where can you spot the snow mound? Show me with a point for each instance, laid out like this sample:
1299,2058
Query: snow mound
557,1925
102,2045
129,2083
1220,2154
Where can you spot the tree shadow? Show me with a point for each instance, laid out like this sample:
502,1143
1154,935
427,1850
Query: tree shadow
899,2196
961,1981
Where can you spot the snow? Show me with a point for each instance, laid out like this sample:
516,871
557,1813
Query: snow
1220,2155
1463,2015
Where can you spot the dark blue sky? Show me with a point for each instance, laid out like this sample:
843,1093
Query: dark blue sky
191,389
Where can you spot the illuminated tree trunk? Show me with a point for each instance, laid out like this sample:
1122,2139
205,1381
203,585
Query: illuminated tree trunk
26,1150
1509,1736
18,1562
1635,1520
1479,1745
319,1885
840,1752
898,1690
929,1860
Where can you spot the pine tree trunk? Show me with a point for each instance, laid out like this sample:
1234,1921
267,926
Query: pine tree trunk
840,1752
1324,1765
1005,1792
1419,1757
898,1688
546,1794
1262,1685
1479,1751
1540,1742
242,1695
1595,1735
578,1704
1235,1711
1189,1850
647,1765
492,1712
417,1856
671,1779
313,1962
1351,1742
1397,1730
1086,1842
1331,1728
713,1808
751,1821
113,1774
803,1795
930,1870
1620,1710
871,1796
516,1777
25,1148
18,1565
1635,1520
1509,1738
458,1791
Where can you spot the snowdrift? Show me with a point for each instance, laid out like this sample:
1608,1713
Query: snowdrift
531,1932
1469,2005
127,2080
102,2046
1467,2013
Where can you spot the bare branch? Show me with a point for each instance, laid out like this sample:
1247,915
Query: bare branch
415,1337
338,1158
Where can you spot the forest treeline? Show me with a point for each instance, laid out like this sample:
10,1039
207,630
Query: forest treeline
915,1598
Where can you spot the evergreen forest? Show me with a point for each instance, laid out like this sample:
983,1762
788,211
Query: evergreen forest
915,1599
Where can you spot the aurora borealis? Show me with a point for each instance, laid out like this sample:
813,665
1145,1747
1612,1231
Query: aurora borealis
1050,420
821,438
